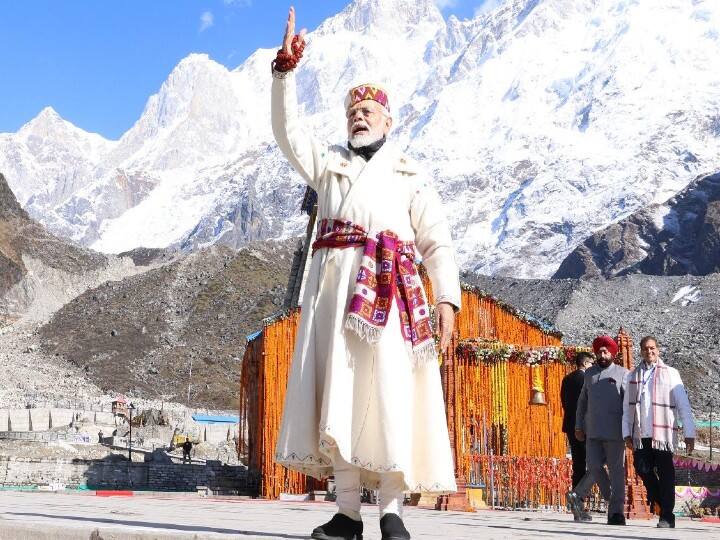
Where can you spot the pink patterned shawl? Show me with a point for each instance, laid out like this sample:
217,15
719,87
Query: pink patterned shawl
387,272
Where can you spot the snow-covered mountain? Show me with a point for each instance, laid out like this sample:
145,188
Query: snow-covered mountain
541,122
679,237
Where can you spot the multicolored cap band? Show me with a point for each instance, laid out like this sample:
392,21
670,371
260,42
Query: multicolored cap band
367,91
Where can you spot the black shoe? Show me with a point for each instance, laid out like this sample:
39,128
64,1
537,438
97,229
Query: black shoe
616,519
665,524
393,528
575,505
340,527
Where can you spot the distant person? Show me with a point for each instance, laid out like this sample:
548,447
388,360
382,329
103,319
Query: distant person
598,421
187,448
654,401
569,393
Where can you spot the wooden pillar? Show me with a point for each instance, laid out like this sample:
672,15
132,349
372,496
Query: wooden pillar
635,494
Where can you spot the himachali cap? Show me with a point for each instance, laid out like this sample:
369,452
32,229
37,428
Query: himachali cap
365,91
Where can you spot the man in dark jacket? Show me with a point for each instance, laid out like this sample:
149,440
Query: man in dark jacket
569,393
187,449
599,420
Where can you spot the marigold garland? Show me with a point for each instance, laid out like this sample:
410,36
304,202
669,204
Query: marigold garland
266,367
492,410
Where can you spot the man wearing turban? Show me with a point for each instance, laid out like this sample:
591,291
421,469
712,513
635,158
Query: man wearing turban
598,421
364,401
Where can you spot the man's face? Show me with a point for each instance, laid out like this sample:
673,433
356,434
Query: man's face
587,363
649,351
603,357
367,122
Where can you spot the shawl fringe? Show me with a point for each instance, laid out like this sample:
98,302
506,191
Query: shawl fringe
424,354
420,356
365,330
663,445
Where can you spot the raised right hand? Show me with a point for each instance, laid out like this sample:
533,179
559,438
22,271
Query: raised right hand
290,32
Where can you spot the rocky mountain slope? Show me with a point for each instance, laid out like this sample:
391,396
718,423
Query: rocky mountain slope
678,237
683,312
541,121
39,272
183,324
147,323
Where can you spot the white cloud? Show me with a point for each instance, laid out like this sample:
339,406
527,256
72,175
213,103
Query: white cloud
206,20
442,4
487,6
239,3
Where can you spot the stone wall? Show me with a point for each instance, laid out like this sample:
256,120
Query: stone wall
44,419
118,474
47,436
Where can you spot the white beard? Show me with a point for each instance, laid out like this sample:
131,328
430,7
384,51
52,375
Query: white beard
365,139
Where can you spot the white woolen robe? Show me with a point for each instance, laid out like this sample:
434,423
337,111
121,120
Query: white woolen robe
366,401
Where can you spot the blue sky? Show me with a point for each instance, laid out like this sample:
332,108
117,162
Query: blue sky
97,61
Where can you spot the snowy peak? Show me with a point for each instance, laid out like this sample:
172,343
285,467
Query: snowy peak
184,92
48,124
49,157
197,98
48,130
386,16
45,117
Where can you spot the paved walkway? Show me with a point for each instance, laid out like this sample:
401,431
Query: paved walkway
46,516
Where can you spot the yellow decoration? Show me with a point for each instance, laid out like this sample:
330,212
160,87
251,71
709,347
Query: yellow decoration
537,379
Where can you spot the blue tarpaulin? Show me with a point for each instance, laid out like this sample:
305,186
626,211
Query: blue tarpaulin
213,419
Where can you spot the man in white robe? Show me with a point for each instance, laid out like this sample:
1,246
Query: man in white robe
364,400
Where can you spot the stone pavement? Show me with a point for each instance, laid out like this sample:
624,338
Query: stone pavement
49,516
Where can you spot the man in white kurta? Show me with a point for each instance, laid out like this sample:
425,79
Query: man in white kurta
655,405
369,410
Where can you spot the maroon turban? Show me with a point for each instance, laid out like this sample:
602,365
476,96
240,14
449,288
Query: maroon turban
605,341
